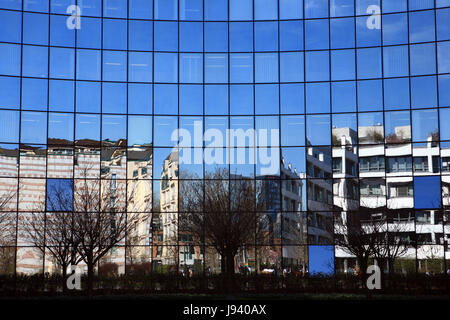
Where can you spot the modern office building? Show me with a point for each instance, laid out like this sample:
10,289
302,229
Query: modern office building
335,111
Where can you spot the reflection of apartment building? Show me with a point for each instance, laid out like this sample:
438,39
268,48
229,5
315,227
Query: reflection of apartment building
320,195
386,186
87,159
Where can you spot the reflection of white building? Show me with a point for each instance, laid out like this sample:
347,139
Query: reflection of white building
320,195
386,176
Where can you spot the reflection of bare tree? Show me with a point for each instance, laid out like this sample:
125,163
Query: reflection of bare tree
91,219
222,214
7,230
372,233
101,220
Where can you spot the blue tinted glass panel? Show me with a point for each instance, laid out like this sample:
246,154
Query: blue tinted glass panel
216,99
216,68
114,98
115,65
140,34
115,8
241,9
241,36
114,34
9,126
266,67
140,66
216,37
291,35
191,36
35,61
88,97
427,193
166,36
60,35
216,10
62,63
318,98
11,30
166,9
266,9
140,98
141,9
9,92
34,127
87,126
191,9
90,34
61,95
60,126
291,9
35,28
292,98
166,99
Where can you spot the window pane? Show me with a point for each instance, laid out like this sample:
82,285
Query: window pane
191,68
115,8
241,9
425,125
292,131
114,65
316,8
291,65
216,68
139,130
396,94
216,99
216,37
11,26
370,95
344,96
241,36
35,28
9,126
140,66
60,126
395,61
216,10
90,35
141,9
291,9
318,130
421,26
166,9
62,63
191,99
191,9
423,92
9,59
61,95
266,36
266,68
241,99
266,99
60,34
88,64
292,98
35,61
266,9
166,36
317,66
114,34
241,68
340,8
317,34
34,127
88,96
342,33
395,29
10,92
369,63
166,99
343,65
291,35
114,128
423,59
191,36
114,97
140,34
140,99
317,98
87,127
166,67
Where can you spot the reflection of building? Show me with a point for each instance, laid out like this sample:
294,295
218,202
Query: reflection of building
90,160
385,189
